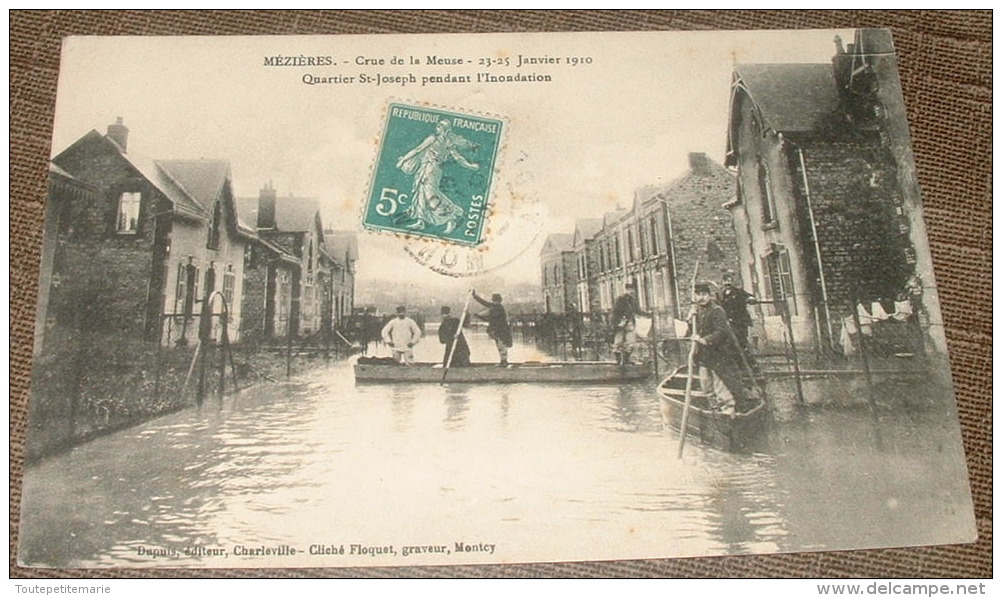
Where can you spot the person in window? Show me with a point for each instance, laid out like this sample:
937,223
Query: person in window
447,336
497,324
716,354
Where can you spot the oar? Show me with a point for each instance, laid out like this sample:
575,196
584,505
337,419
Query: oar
690,366
455,338
688,390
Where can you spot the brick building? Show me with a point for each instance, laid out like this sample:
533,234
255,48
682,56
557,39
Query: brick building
558,272
827,212
586,263
342,246
291,289
657,243
146,244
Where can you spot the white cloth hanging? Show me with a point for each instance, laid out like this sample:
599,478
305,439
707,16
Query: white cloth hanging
902,310
878,312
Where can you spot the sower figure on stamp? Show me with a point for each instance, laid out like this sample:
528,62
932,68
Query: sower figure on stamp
624,319
401,334
429,202
447,334
497,324
717,355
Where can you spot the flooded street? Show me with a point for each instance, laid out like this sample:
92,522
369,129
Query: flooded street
294,473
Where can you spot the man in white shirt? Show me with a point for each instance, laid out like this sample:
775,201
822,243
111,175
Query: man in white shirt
401,334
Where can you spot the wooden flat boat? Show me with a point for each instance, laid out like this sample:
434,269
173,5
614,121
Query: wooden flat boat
733,433
594,372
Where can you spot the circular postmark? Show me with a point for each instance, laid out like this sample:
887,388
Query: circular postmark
514,221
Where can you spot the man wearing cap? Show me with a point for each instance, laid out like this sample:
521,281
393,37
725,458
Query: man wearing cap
401,334
717,355
497,324
447,336
624,319
735,302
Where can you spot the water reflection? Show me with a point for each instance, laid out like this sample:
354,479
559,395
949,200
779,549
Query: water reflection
555,472
457,404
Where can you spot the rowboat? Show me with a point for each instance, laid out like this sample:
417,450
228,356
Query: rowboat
733,433
594,372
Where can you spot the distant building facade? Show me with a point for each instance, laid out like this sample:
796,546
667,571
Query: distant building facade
656,243
559,273
301,277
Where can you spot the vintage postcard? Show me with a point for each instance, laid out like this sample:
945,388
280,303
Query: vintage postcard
331,301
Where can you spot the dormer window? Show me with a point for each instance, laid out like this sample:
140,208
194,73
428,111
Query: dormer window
214,226
128,213
768,199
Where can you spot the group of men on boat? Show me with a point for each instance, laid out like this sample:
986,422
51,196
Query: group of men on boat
719,331
401,333
718,328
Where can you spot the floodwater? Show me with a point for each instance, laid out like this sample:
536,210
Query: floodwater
319,472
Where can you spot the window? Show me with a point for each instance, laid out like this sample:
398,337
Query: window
187,287
181,289
778,276
128,213
655,244
210,281
308,302
229,282
767,197
630,253
214,226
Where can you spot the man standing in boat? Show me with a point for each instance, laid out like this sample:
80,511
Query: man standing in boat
717,355
401,334
447,336
735,301
497,324
624,319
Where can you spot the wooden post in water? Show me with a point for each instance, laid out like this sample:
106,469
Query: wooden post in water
690,366
654,343
222,353
788,326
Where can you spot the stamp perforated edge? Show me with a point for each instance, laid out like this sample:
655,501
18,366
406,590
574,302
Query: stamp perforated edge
497,173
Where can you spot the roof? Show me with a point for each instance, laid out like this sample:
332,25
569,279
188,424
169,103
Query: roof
559,242
296,214
201,180
292,214
192,186
790,97
53,169
587,228
611,218
342,244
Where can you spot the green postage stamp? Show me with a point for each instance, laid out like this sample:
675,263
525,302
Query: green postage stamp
433,174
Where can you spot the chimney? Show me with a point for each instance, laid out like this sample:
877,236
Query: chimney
119,133
266,207
699,163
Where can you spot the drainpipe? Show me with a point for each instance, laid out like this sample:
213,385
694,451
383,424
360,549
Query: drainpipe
814,235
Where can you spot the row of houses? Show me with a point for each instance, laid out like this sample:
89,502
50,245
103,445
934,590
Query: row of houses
655,243
815,208
137,248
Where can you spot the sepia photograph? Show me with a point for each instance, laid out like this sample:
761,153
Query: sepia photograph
316,301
